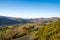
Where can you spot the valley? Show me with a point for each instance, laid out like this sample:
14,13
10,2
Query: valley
23,29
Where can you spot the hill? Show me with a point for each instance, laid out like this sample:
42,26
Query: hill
26,26
4,21
11,20
49,32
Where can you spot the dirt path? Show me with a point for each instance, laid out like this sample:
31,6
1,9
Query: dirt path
27,37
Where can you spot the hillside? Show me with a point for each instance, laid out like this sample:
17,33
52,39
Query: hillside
11,20
49,32
45,20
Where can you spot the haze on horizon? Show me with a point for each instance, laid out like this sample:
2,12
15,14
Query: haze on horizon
30,8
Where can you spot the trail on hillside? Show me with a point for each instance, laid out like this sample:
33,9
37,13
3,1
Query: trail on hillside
27,37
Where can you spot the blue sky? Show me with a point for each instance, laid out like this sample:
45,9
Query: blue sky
30,8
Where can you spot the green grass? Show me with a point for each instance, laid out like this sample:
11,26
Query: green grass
49,32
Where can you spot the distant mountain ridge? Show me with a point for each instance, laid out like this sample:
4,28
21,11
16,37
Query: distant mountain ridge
11,20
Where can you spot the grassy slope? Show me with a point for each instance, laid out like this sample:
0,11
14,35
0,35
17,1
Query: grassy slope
50,32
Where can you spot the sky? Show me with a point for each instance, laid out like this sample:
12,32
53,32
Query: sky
30,8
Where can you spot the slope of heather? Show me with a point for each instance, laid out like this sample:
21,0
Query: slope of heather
10,33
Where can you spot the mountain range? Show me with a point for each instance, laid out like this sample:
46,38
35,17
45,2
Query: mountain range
12,20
